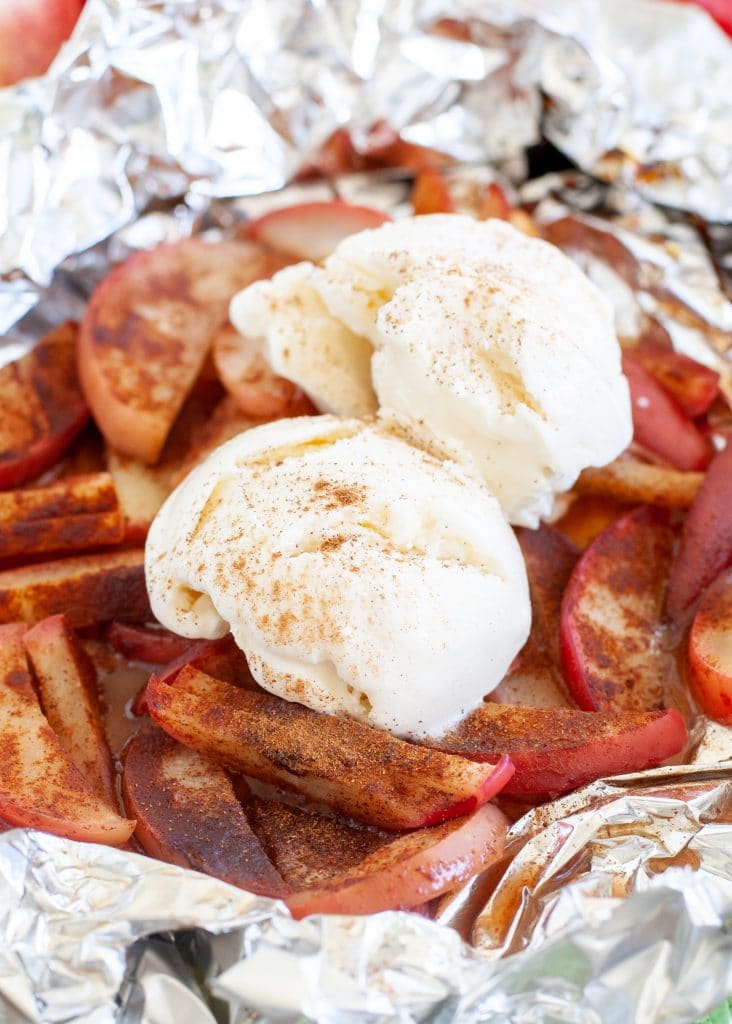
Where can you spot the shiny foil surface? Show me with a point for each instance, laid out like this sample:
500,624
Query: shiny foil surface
161,120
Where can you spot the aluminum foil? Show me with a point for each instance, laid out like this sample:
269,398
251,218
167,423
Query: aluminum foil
160,120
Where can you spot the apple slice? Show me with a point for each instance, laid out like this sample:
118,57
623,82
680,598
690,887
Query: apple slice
587,516
693,386
247,376
613,655
431,193
309,848
87,588
226,421
706,539
40,787
311,231
710,650
43,407
359,771
412,869
31,33
68,515
637,483
660,425
150,644
67,682
147,330
557,749
188,814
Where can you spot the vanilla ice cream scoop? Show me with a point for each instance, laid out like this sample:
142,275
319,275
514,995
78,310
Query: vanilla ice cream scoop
486,344
359,574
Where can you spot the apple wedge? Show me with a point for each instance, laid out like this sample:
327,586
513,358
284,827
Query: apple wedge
150,644
67,682
40,787
557,749
412,869
311,231
148,329
660,425
43,408
693,386
69,515
87,588
188,813
431,193
706,539
309,848
710,650
362,772
640,483
31,32
587,516
612,613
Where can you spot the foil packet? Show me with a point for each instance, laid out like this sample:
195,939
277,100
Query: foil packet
162,120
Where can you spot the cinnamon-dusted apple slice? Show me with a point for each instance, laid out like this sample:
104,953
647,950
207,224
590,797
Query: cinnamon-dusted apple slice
43,408
637,483
87,588
156,646
706,539
68,515
412,869
660,425
147,330
557,749
362,772
188,814
710,650
67,682
40,787
311,231
612,613
693,386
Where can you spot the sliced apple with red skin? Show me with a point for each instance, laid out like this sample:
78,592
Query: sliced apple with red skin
247,376
706,538
412,869
147,331
431,193
147,643
612,614
40,786
710,650
31,33
362,772
693,386
311,231
188,813
635,482
69,515
557,749
87,588
67,682
43,408
660,425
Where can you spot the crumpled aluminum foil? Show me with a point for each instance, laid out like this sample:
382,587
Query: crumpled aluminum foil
618,903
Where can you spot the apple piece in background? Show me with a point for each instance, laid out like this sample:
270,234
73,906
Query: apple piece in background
587,516
694,387
31,33
557,749
611,619
431,193
86,588
660,425
361,772
188,813
40,787
156,646
706,538
147,332
412,869
68,515
311,231
67,682
640,483
710,650
43,408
